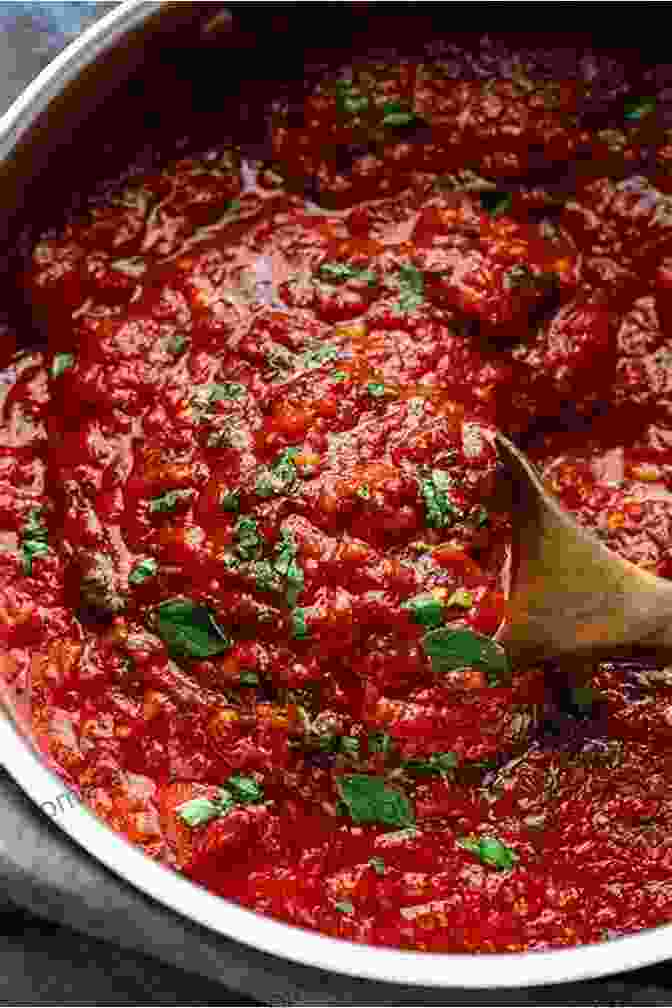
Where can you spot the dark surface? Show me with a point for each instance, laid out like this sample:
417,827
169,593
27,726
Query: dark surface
48,886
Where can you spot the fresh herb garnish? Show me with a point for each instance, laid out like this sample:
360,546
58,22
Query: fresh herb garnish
435,489
495,201
246,532
519,275
344,906
411,284
230,500
287,566
449,649
380,742
349,99
336,272
168,501
280,476
227,390
378,865
639,108
339,376
238,791
490,851
190,630
249,678
245,790
371,800
34,540
350,745
62,362
176,344
426,609
363,492
320,355
143,570
376,389
396,113
462,598
441,763
300,629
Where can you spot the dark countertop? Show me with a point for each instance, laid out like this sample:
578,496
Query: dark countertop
46,883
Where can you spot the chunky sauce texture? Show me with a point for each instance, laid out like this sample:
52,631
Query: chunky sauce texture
251,552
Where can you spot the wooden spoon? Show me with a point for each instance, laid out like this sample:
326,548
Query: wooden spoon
570,596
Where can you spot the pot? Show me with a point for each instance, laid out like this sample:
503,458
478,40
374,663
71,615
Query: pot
116,71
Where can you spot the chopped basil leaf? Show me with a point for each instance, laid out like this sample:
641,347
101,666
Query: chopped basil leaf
233,205
339,376
481,518
246,532
320,355
230,500
380,742
287,566
249,679
245,790
438,763
337,272
300,630
396,113
228,390
495,201
144,569
426,609
34,540
435,489
266,577
370,800
639,108
344,906
190,630
376,389
198,812
177,343
349,99
168,501
462,598
62,362
491,851
279,477
350,745
450,649
364,492
378,865
411,284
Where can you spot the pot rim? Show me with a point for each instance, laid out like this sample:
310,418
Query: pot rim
177,893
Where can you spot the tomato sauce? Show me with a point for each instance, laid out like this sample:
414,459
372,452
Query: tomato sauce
251,563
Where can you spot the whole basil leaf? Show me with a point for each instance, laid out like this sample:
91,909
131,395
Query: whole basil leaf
450,648
490,851
371,800
190,630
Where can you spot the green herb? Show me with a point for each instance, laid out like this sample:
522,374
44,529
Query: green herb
364,492
376,389
143,570
228,390
380,742
329,742
481,518
639,108
233,206
336,272
411,284
339,376
168,501
34,540
344,906
230,500
349,99
378,865
319,355
495,201
287,566
426,609
435,489
395,113
519,275
190,630
462,598
450,649
583,698
200,811
300,630
491,851
176,344
249,679
350,745
280,476
370,800
245,790
246,532
266,577
441,763
62,362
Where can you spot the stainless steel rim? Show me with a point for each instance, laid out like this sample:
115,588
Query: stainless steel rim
191,901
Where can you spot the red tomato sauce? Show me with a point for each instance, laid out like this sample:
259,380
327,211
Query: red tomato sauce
251,552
